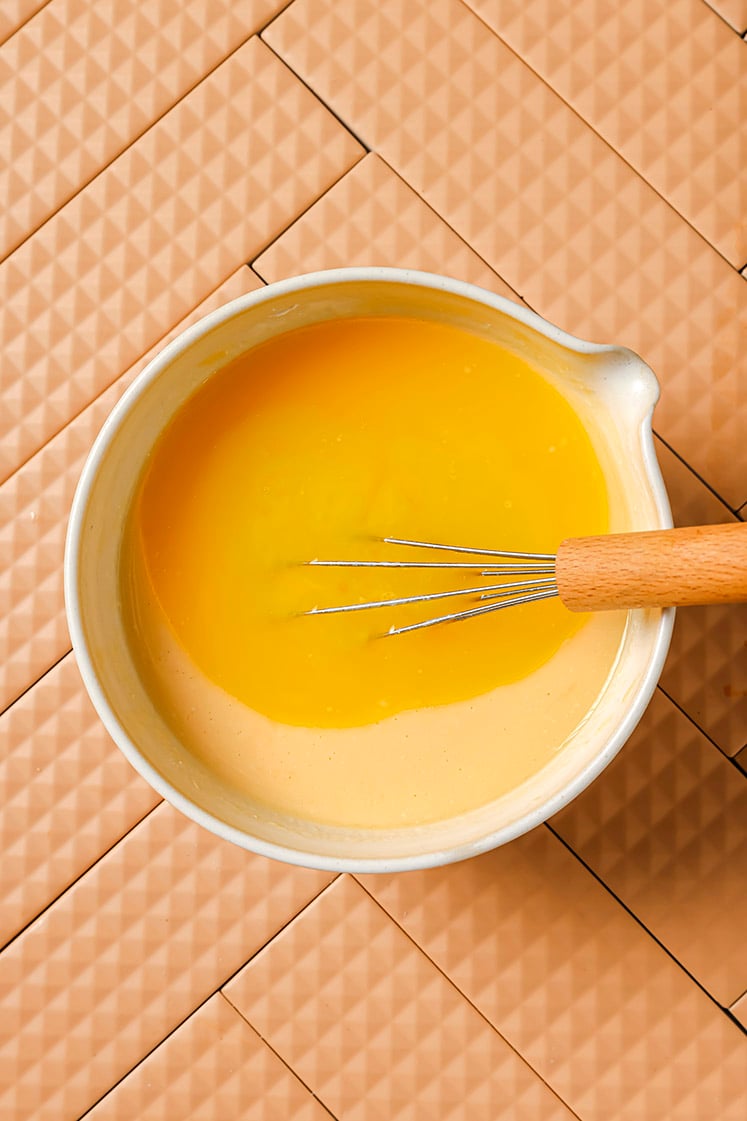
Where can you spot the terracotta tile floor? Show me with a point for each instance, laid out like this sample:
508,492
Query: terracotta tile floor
159,159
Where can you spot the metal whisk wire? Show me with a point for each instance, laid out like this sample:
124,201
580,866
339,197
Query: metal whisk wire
541,566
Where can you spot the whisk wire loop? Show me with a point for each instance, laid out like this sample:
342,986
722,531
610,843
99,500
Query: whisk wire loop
540,566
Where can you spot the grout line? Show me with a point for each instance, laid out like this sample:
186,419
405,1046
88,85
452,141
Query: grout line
737,1023
313,92
692,470
480,1013
723,19
80,876
254,272
167,330
28,688
692,720
253,263
216,991
456,233
639,922
276,15
129,144
277,1054
607,143
23,23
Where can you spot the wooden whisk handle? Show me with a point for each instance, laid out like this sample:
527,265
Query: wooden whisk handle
664,568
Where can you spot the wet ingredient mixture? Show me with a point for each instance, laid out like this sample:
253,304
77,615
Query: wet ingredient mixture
315,444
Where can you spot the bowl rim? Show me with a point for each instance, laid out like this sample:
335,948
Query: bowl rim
297,856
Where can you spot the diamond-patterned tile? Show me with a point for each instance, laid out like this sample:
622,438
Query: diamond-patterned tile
14,13
664,83
199,194
706,671
213,1068
126,955
34,506
706,668
370,1025
733,11
82,81
582,992
66,795
371,217
541,198
665,828
741,759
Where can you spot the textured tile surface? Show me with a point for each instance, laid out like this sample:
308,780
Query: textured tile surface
373,1028
706,668
372,218
14,13
665,827
215,1068
34,507
130,951
66,795
560,216
82,81
663,81
581,991
199,194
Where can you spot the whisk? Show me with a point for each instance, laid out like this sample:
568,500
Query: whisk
662,568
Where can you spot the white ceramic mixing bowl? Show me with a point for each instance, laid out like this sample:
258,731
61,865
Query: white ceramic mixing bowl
612,390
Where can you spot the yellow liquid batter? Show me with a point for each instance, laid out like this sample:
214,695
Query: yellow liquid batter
314,445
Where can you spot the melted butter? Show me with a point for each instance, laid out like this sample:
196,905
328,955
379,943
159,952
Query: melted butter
314,445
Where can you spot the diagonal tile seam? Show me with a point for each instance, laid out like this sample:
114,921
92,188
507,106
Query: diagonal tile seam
83,872
68,654
292,219
728,509
736,1019
23,22
139,135
639,922
695,724
402,180
340,120
264,1039
128,145
267,24
218,991
591,128
742,34
167,329
39,679
626,909
450,981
